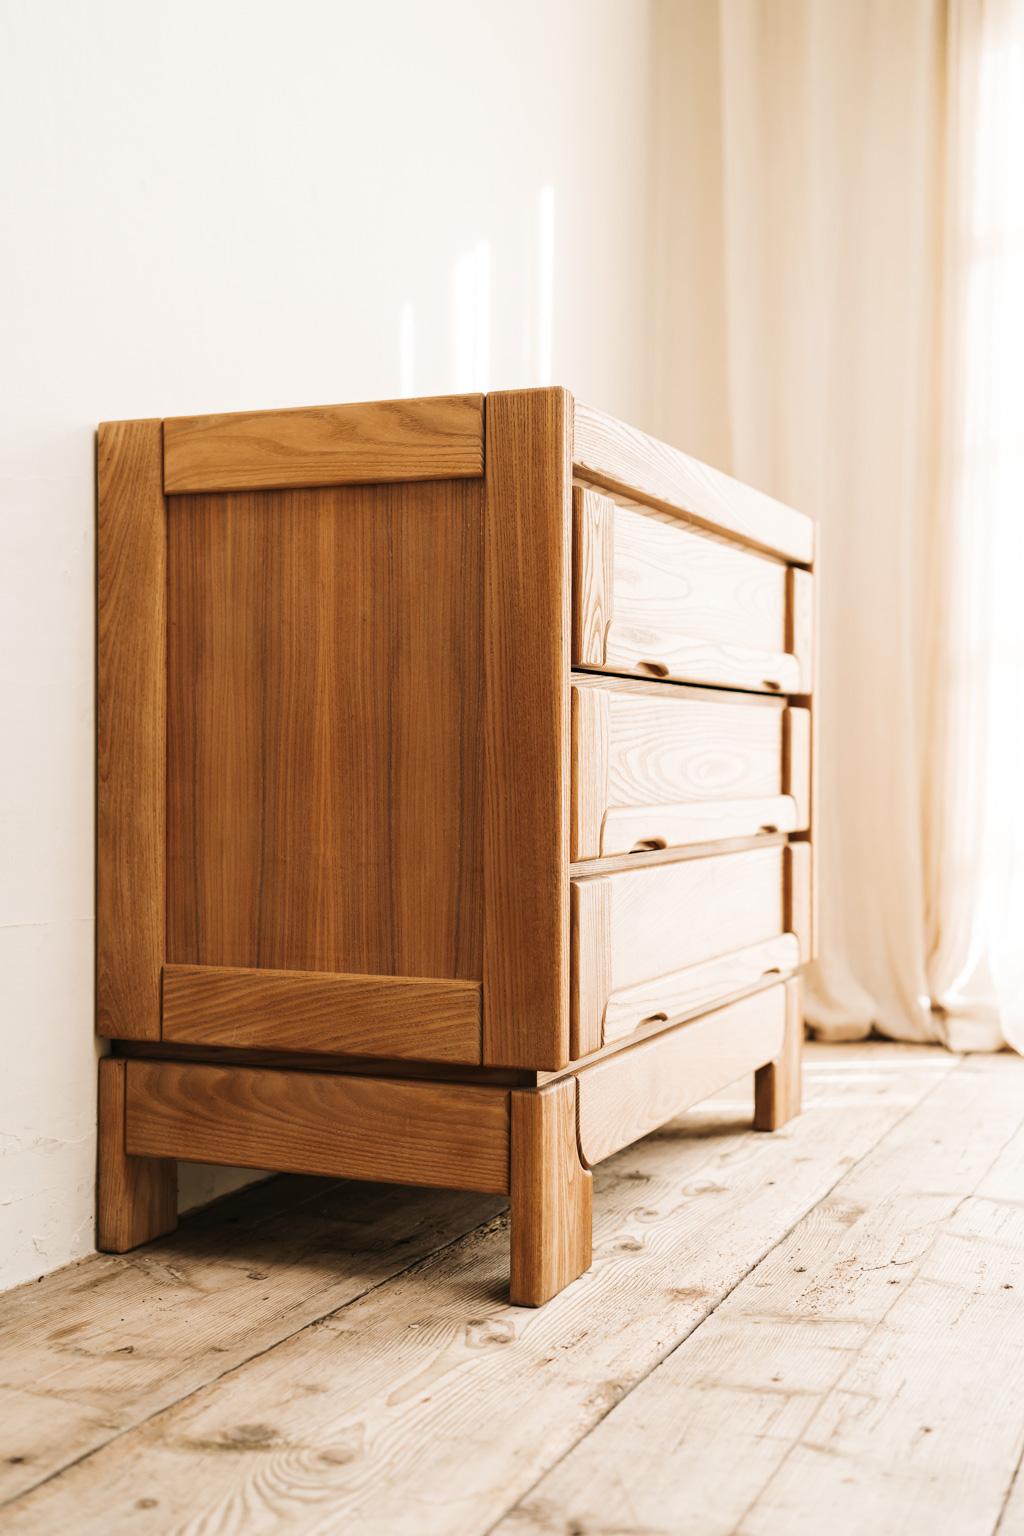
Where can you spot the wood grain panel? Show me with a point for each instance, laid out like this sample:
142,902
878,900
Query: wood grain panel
384,1016
137,1197
440,438
452,1135
644,939
682,914
625,459
656,596
526,729
670,577
630,1094
552,1196
325,767
657,766
131,730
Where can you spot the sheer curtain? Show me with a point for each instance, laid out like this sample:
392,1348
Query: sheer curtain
839,209
975,809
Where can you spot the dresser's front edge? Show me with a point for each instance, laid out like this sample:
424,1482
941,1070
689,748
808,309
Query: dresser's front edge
527,526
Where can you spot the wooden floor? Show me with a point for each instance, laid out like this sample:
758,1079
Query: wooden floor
820,1331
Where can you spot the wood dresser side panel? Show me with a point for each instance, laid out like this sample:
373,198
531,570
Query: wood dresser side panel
450,1135
324,760
526,729
375,441
131,716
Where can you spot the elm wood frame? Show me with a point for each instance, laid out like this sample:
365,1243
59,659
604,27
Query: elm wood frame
505,889
501,478
372,1015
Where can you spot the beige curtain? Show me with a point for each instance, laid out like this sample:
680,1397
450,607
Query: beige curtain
838,220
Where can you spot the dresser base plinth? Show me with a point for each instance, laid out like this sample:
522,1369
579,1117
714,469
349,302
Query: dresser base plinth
136,1197
536,1144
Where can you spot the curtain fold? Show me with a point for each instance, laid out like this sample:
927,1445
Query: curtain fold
974,826
835,218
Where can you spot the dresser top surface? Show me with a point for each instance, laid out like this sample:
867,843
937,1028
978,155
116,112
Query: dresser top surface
445,437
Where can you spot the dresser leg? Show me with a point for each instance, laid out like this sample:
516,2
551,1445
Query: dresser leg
137,1197
777,1086
551,1195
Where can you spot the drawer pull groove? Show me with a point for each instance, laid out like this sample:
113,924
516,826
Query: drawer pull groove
658,650
653,1018
631,828
700,985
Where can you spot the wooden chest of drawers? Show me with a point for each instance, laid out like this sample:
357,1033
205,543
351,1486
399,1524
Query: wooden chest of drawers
455,801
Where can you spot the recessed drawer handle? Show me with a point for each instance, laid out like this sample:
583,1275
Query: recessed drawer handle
648,844
653,1018
768,827
653,668
772,683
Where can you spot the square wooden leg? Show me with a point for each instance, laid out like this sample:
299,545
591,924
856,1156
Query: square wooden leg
137,1197
777,1085
551,1195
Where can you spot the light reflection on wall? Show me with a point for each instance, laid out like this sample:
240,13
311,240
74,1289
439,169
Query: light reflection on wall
406,350
545,283
473,317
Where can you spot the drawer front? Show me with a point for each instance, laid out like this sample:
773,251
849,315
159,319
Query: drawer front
656,766
654,596
652,945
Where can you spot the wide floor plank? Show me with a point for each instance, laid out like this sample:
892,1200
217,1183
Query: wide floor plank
96,1348
430,1405
867,1375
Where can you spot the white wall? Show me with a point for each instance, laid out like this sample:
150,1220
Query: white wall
215,205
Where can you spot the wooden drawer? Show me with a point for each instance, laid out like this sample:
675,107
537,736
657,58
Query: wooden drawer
659,766
651,945
655,596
